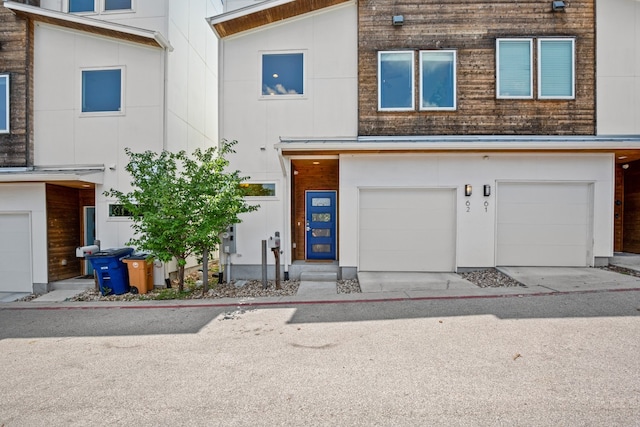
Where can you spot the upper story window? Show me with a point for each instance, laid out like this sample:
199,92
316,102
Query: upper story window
82,6
514,59
95,6
395,81
438,80
117,5
555,68
102,90
4,103
282,74
556,65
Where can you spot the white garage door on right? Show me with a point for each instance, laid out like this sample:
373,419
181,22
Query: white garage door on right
544,224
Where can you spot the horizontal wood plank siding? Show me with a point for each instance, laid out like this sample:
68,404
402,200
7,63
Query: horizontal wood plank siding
63,232
16,53
471,27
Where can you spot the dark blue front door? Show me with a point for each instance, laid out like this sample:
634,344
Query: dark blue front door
321,225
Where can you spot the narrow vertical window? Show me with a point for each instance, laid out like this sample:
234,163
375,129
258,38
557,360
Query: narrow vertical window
102,90
4,103
79,6
117,4
556,68
514,74
395,81
282,74
438,80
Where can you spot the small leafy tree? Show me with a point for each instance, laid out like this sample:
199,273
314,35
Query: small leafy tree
180,205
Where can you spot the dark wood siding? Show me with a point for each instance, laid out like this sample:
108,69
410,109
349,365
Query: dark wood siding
307,176
16,53
631,235
63,232
471,27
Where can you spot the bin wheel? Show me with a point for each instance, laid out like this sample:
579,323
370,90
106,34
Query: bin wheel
133,290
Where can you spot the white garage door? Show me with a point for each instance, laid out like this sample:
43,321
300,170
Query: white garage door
544,224
15,253
407,229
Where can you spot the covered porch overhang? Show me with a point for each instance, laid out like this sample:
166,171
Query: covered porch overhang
624,148
81,177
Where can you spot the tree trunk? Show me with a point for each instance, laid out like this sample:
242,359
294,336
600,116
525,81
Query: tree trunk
205,271
180,277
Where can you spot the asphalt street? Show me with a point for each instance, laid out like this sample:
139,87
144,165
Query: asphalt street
549,360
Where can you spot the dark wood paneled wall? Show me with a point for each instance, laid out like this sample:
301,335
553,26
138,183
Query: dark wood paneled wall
631,235
307,176
16,57
472,27
618,210
63,232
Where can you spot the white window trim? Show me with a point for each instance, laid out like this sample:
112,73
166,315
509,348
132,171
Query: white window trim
123,79
304,94
276,190
413,83
455,80
498,96
8,92
573,67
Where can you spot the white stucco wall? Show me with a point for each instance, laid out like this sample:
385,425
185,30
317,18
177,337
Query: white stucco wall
30,198
328,109
476,230
66,137
618,67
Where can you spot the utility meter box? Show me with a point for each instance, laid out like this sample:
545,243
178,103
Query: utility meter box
229,240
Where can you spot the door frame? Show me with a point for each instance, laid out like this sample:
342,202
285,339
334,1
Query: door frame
334,228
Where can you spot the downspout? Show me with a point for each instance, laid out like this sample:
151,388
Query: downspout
286,242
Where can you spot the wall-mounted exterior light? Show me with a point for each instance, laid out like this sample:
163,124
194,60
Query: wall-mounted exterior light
398,20
468,190
558,6
487,190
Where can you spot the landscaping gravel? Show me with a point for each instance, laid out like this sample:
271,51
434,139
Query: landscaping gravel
490,278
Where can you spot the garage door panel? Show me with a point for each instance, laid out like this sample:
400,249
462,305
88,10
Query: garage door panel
15,253
407,229
539,234
544,256
543,224
543,213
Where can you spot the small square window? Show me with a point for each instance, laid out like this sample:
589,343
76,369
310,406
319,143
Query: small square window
556,69
4,103
395,81
102,90
80,6
282,74
117,4
438,80
514,68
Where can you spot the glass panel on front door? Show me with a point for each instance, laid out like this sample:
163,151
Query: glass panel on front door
321,225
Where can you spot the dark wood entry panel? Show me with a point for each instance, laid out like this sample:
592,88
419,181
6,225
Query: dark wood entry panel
314,174
631,206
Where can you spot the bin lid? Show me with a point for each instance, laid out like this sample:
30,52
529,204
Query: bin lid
114,253
139,255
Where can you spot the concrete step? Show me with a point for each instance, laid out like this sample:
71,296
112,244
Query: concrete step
72,284
317,289
318,276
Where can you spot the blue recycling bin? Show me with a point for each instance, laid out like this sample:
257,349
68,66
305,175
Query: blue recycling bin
112,273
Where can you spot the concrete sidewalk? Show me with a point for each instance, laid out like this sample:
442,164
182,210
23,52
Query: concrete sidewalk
397,286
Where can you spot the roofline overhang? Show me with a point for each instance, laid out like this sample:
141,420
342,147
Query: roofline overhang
265,13
90,25
460,144
90,174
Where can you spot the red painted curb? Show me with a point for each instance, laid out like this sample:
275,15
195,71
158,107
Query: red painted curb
317,302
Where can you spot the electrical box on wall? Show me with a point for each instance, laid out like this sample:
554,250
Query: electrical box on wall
229,240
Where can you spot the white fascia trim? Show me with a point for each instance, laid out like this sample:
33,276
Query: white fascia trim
247,10
463,143
90,22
